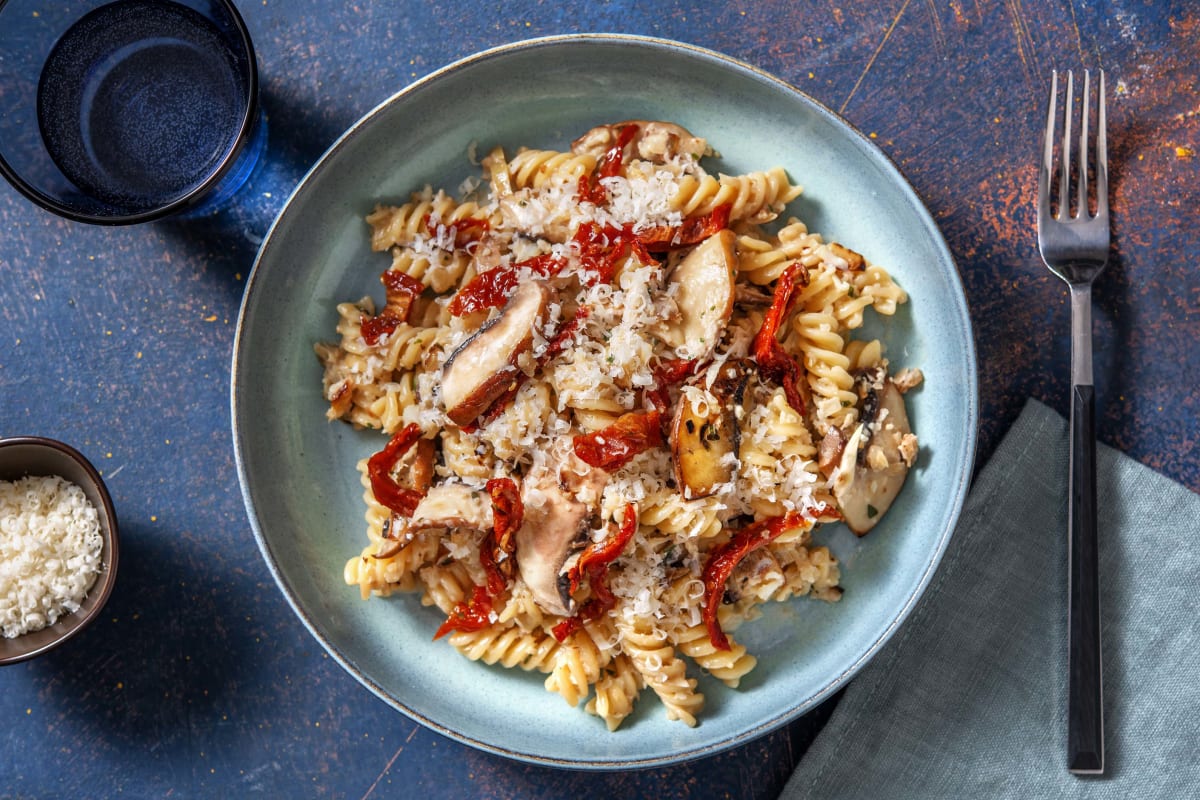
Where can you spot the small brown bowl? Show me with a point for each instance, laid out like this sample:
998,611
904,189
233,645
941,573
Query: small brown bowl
33,455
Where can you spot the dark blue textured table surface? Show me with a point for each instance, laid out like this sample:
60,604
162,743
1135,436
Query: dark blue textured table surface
198,681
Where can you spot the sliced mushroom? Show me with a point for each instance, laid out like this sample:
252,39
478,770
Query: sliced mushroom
554,530
453,505
854,260
422,465
829,456
704,293
750,296
705,441
875,460
654,141
449,505
484,366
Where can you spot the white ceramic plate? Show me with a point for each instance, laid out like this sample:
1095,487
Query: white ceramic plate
297,470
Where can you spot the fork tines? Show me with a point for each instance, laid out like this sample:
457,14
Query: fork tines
1100,163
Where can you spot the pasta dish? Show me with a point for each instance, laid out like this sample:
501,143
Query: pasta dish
617,395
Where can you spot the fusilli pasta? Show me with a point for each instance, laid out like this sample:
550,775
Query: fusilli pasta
620,398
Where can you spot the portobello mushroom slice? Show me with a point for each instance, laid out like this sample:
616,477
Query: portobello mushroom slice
654,141
705,441
876,458
704,294
448,505
453,505
484,367
553,531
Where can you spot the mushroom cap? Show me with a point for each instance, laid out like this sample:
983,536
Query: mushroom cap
484,366
875,460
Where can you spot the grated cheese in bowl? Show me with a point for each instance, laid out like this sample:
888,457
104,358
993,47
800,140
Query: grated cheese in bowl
50,546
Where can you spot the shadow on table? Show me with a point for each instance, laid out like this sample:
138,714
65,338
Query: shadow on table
297,136
1115,325
757,770
166,657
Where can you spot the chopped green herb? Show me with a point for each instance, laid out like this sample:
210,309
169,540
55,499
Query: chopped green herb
872,511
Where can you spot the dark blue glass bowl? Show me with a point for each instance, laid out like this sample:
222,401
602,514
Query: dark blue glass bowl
123,112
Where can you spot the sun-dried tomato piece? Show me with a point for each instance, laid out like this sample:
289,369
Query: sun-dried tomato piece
614,158
565,628
589,188
614,446
401,290
508,512
556,346
773,361
667,373
692,230
723,560
400,285
469,615
593,564
461,232
492,288
387,490
602,247
375,328
596,557
495,556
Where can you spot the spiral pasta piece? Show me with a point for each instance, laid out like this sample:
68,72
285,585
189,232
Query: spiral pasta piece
522,610
777,451
420,218
508,646
537,168
670,513
755,197
762,260
806,570
728,666
387,406
829,292
661,669
465,456
617,690
863,354
827,368
446,585
876,284
576,666
440,270
396,573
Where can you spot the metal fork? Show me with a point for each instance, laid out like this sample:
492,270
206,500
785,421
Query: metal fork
1075,248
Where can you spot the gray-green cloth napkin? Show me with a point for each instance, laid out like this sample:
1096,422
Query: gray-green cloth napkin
969,699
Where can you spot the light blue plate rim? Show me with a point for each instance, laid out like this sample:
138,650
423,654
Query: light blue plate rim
956,318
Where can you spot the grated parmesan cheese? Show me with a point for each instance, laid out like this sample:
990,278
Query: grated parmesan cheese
49,552
627,321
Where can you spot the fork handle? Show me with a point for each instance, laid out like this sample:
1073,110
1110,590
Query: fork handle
1085,726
